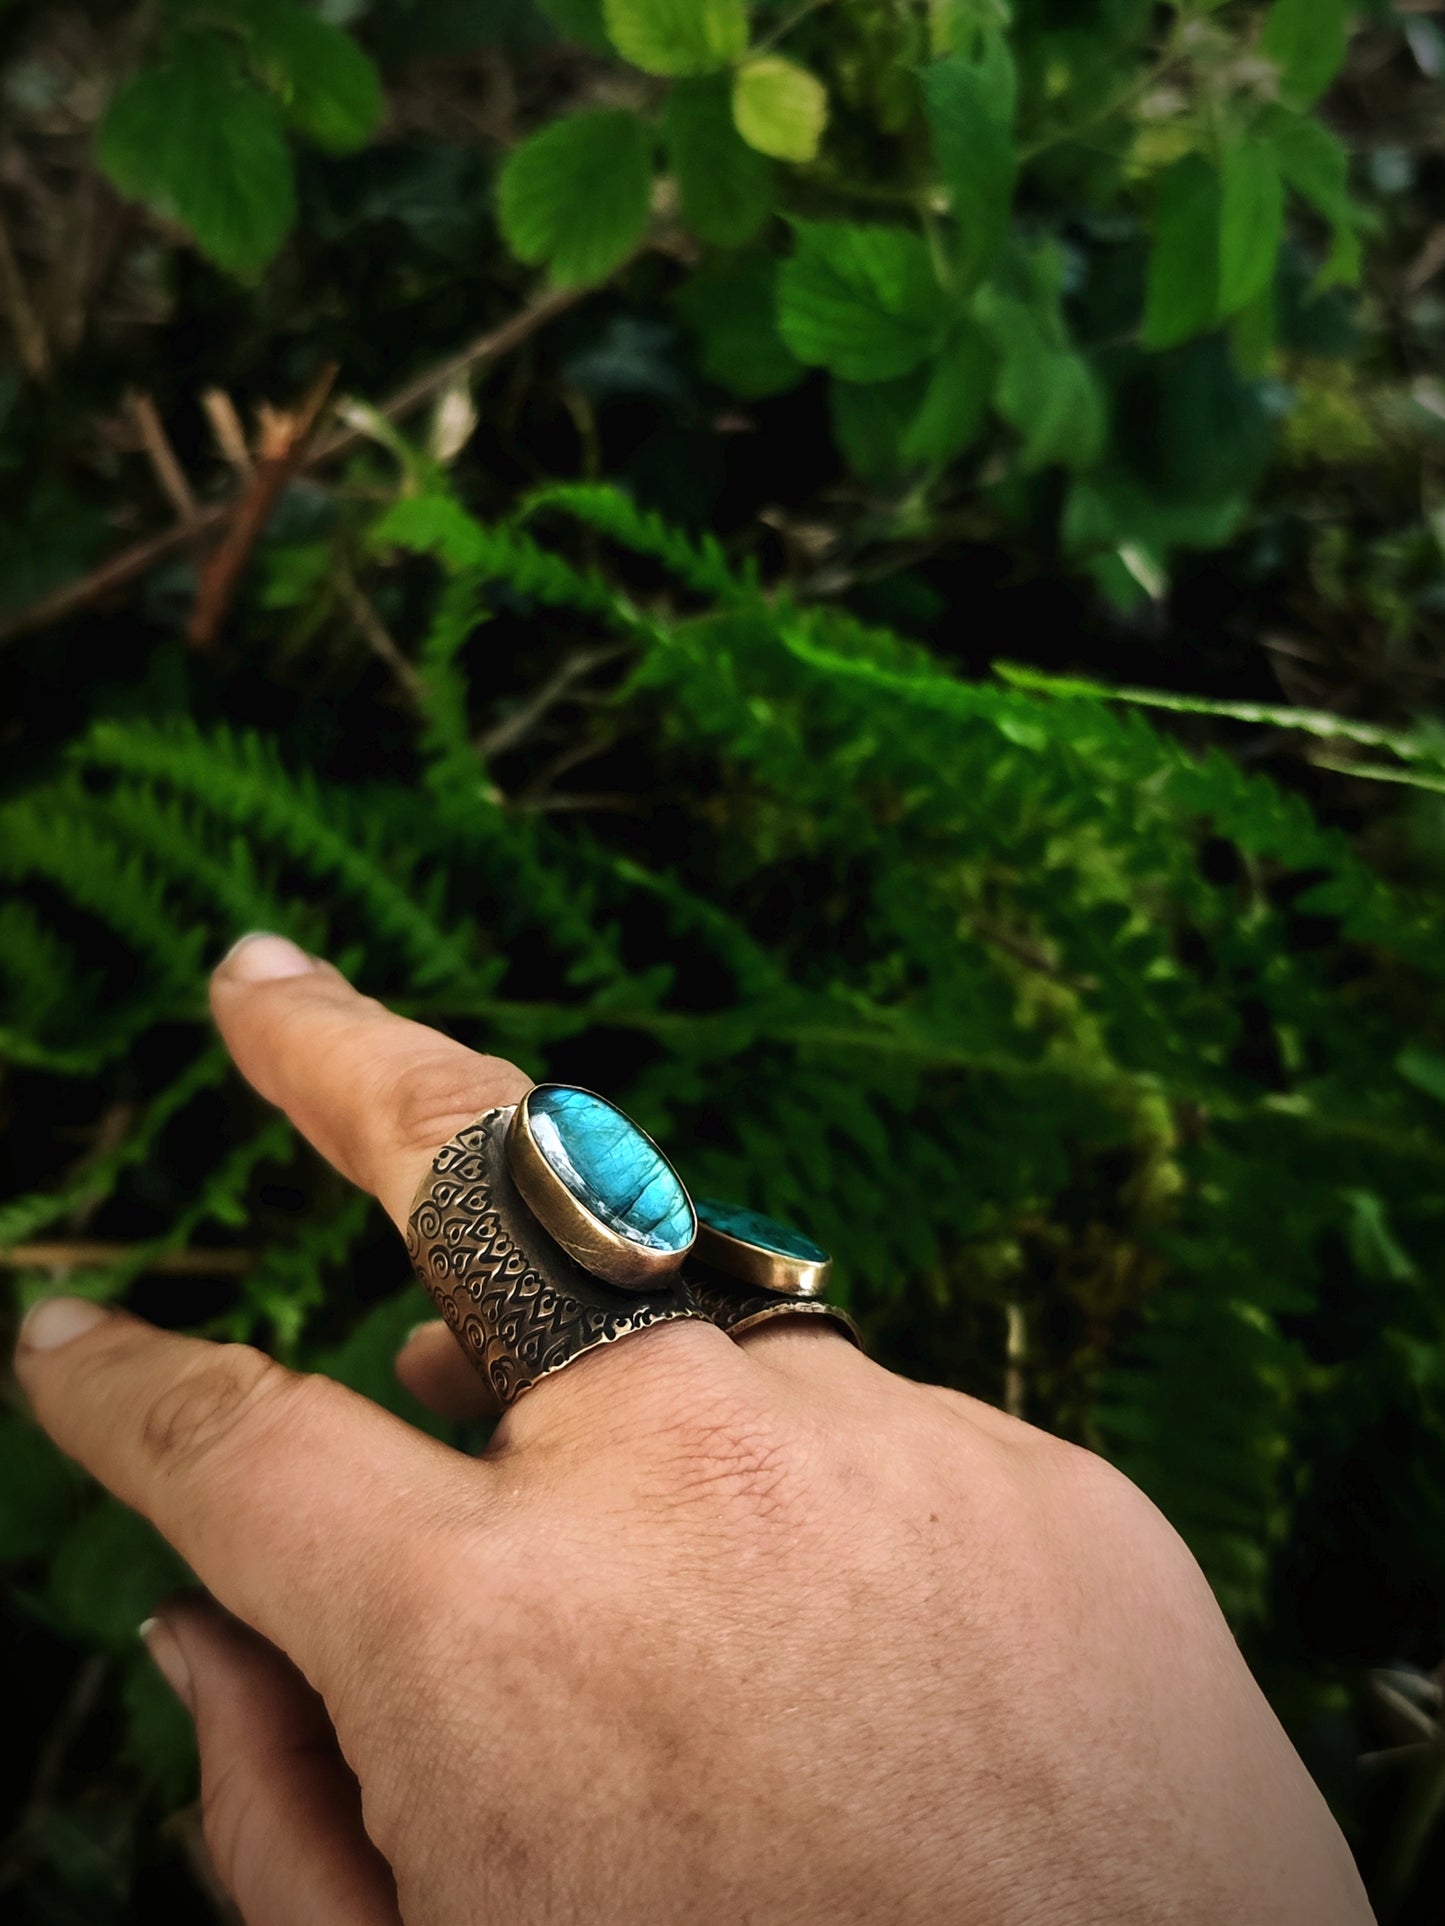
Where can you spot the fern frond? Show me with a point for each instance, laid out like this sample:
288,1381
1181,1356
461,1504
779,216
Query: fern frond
240,779
50,835
22,1217
701,563
290,1281
1321,723
437,526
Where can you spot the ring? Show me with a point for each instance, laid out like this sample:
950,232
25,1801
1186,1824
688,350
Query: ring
548,1228
746,1269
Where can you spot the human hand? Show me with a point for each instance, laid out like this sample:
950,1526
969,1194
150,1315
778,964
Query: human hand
710,1632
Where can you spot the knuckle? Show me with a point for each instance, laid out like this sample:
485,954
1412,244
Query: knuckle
230,1389
729,1458
431,1098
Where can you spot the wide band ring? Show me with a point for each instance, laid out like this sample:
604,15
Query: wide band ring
518,1304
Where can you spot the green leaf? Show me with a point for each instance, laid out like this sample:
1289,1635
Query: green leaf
869,421
329,88
726,188
779,107
1313,161
732,307
956,399
1252,334
678,38
1424,1068
110,1572
576,195
37,1489
1046,391
1306,41
970,108
582,20
1251,221
198,140
1182,292
863,302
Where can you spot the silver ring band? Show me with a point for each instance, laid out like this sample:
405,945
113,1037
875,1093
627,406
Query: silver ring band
517,1303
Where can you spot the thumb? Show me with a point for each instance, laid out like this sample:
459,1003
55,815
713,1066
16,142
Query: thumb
281,1811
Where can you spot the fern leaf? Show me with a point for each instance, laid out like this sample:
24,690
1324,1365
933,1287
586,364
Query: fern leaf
702,563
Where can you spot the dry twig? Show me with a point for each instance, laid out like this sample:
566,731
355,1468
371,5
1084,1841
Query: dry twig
30,343
134,562
285,439
84,1256
163,459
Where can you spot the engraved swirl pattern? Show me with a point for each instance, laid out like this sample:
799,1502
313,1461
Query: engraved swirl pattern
518,1313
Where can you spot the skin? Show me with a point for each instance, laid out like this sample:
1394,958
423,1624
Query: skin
720,1632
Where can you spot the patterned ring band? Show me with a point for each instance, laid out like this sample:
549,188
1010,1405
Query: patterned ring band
555,1225
737,1310
519,1304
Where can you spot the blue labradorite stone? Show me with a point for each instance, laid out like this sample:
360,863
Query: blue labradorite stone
735,1220
611,1168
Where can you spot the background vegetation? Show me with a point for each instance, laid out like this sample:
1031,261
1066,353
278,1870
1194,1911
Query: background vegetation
864,576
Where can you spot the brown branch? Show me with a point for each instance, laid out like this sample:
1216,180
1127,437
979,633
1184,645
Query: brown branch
83,1256
30,342
226,427
134,562
163,459
287,437
381,642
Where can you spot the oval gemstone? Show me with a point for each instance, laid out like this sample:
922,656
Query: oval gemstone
611,1167
752,1227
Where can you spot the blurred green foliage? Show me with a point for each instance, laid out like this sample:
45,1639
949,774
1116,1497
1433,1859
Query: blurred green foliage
921,683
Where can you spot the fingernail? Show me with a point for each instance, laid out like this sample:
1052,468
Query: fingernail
170,1661
56,1320
427,1324
260,957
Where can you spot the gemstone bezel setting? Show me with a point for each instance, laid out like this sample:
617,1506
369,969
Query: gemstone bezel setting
609,1234
735,1240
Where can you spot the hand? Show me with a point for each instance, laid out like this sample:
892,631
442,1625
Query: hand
711,1632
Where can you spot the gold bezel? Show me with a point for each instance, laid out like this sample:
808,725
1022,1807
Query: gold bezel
605,1252
752,1264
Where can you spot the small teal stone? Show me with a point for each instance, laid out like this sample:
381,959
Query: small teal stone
752,1227
611,1168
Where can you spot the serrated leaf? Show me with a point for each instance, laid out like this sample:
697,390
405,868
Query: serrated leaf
863,302
678,38
199,141
970,108
732,307
869,421
1046,391
1251,221
1313,161
576,195
779,107
1306,41
1182,291
327,85
956,399
725,187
